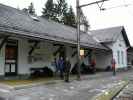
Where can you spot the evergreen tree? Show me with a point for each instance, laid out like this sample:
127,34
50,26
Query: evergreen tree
49,12
31,9
61,8
59,12
84,21
69,18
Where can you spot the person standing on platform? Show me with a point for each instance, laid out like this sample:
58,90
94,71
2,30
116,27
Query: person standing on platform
113,66
55,64
93,65
67,68
61,67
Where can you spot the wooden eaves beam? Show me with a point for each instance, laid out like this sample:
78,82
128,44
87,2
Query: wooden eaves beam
74,53
3,41
56,44
88,52
33,47
58,50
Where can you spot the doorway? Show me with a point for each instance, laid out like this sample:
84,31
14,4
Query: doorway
11,53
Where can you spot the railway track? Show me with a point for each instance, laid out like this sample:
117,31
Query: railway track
127,92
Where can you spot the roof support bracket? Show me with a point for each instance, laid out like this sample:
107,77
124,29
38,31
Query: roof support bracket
58,50
3,42
33,47
74,53
86,55
89,52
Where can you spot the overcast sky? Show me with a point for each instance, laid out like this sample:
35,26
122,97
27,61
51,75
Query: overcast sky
113,16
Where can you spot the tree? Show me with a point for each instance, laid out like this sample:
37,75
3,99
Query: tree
84,22
49,11
69,18
61,8
59,12
31,9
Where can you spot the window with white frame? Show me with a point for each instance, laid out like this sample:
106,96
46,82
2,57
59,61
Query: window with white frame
122,57
118,56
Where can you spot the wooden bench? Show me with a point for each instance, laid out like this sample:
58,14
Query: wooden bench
36,72
41,72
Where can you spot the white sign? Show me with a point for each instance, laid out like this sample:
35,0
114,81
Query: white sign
82,52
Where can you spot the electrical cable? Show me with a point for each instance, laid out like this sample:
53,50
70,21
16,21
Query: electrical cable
124,5
129,11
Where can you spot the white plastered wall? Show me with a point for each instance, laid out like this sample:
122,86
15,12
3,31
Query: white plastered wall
47,49
103,59
120,46
45,52
23,49
23,66
2,60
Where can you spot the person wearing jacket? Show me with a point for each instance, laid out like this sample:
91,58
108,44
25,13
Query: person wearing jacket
55,64
61,67
67,67
113,66
93,65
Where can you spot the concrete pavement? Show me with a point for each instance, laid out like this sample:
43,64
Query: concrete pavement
87,89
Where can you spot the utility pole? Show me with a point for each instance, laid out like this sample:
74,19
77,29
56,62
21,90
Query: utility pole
78,39
78,7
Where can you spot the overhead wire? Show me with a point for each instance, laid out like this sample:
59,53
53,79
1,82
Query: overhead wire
129,11
118,6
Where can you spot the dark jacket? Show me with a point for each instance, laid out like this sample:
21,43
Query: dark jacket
60,64
67,66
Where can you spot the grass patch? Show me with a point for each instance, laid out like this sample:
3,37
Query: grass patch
25,82
21,82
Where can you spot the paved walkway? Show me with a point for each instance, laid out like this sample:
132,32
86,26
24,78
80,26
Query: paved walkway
20,84
87,89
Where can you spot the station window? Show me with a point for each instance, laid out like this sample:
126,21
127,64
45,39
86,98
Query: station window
118,56
122,57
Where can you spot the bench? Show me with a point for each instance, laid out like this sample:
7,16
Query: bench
41,72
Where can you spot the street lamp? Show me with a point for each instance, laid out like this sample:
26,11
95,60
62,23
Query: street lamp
78,8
